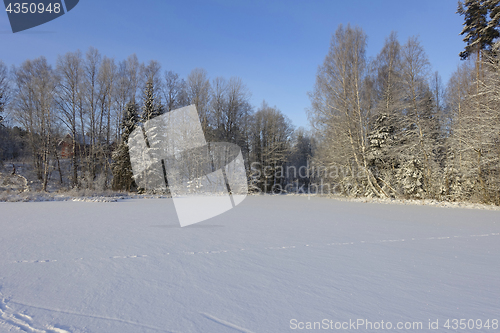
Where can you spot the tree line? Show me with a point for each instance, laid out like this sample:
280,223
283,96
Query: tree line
97,102
388,127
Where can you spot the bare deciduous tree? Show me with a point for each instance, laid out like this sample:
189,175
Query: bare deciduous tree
4,89
70,100
198,92
270,144
340,112
174,91
33,107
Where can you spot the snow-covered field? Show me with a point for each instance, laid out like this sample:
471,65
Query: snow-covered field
272,264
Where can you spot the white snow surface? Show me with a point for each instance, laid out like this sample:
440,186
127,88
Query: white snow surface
127,266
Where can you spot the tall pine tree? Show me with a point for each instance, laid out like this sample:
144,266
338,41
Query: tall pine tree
494,8
152,106
122,168
479,34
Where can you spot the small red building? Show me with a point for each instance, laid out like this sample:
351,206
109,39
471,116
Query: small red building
82,146
66,146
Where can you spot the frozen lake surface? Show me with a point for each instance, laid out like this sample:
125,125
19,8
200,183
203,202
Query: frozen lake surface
272,264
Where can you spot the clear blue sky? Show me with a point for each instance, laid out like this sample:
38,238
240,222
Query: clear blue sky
274,46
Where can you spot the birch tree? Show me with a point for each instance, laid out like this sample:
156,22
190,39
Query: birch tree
70,100
417,122
33,106
174,91
340,113
384,151
4,90
459,89
198,92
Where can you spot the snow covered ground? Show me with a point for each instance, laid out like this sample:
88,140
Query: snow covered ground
272,264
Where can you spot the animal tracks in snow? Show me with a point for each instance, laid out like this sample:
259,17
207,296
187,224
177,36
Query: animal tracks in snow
208,252
273,248
128,257
13,321
34,261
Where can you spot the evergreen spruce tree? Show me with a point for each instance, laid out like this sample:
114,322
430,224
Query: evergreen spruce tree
122,168
494,8
151,107
479,34
410,177
381,157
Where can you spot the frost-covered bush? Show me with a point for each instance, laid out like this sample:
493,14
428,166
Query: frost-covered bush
410,178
